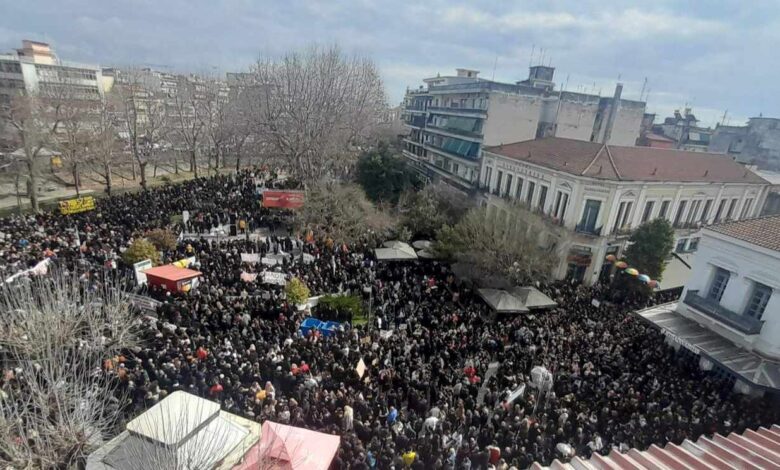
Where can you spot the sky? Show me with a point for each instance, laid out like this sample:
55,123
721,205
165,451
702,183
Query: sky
714,55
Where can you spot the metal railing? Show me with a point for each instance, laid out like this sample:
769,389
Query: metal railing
587,230
713,309
445,109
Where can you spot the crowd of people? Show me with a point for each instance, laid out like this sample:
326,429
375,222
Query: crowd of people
425,399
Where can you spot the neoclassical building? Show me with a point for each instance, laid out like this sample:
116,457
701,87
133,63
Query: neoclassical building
599,193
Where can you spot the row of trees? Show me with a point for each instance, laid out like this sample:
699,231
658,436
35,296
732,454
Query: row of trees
311,113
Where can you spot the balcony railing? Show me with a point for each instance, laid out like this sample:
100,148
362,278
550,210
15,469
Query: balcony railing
588,230
444,109
713,309
456,131
688,225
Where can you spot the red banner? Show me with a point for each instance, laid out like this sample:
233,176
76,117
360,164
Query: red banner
283,199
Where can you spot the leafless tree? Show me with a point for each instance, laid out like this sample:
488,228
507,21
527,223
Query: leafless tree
33,122
189,117
55,333
317,108
501,247
144,115
104,145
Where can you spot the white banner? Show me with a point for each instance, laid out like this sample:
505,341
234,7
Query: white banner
274,278
139,268
143,302
250,258
268,261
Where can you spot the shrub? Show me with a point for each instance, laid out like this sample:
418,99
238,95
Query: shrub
140,250
340,307
297,292
162,238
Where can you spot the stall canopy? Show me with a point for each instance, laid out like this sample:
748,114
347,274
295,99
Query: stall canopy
395,251
422,244
289,447
516,299
502,301
172,278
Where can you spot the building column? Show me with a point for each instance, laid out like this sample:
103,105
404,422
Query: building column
639,207
714,208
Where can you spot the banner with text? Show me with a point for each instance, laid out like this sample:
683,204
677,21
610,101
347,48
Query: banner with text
74,206
283,199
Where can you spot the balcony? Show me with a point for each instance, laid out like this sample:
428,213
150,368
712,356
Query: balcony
470,111
452,131
588,230
713,309
688,225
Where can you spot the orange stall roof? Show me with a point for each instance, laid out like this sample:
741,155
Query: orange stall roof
172,273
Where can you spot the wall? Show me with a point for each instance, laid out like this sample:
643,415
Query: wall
511,118
747,264
576,116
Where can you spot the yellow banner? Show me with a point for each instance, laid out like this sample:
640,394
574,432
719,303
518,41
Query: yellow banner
74,206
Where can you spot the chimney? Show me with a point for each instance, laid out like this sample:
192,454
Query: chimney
613,113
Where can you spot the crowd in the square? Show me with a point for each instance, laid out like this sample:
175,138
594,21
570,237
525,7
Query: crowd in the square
426,347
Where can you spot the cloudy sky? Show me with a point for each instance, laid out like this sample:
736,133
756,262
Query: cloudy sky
715,55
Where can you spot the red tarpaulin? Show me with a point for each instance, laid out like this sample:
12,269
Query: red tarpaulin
172,278
288,447
283,199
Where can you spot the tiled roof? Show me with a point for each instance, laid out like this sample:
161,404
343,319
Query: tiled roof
618,163
752,449
763,231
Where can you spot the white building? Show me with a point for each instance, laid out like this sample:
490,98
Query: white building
600,193
452,118
729,312
35,68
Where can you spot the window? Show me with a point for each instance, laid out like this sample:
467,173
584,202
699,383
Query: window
706,212
561,201
692,213
648,211
530,196
719,212
746,208
693,245
732,206
508,184
519,190
498,182
488,176
623,214
542,197
719,282
680,212
590,215
664,212
758,300
680,248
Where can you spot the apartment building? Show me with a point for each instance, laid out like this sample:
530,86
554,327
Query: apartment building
599,193
452,118
729,313
36,69
757,143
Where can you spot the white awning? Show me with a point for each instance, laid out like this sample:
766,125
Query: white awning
750,367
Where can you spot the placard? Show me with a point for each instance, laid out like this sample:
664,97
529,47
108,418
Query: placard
139,268
79,204
274,278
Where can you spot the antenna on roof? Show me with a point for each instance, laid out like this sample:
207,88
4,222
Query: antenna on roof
644,84
495,62
723,120
531,59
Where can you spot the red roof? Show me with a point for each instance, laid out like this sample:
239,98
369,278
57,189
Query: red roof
658,137
172,273
761,231
752,449
618,163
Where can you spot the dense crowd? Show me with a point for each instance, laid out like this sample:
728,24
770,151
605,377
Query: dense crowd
617,384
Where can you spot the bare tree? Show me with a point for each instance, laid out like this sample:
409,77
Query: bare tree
33,122
317,108
144,115
188,114
55,333
104,148
499,246
214,110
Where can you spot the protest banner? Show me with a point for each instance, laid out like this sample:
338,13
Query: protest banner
283,199
139,268
250,258
274,278
79,204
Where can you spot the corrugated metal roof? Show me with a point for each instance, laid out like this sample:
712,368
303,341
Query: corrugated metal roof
752,449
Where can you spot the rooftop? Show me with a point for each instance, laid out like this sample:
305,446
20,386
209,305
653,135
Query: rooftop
611,162
762,231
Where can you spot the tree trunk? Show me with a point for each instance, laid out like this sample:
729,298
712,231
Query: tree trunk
142,167
32,188
109,179
176,162
132,164
193,164
76,180
238,162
